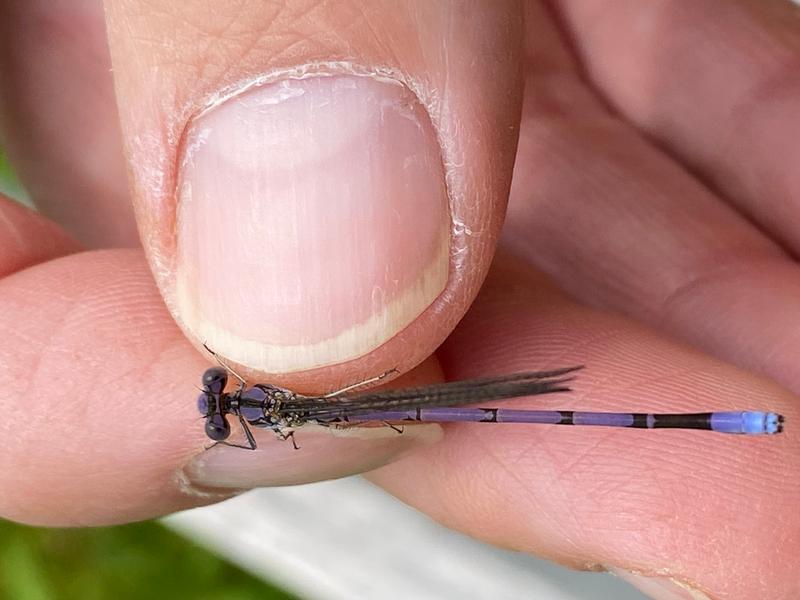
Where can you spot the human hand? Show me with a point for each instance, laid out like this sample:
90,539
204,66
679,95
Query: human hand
637,209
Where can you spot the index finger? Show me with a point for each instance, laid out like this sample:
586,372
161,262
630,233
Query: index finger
98,396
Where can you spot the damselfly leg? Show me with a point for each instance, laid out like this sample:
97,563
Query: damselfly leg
224,365
360,384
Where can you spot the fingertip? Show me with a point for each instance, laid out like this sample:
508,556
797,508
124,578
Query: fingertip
99,387
27,238
276,463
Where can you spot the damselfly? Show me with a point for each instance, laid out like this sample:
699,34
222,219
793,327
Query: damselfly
282,411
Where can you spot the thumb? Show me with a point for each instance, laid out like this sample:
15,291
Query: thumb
318,190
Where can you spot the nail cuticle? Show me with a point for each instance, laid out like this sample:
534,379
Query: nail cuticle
315,69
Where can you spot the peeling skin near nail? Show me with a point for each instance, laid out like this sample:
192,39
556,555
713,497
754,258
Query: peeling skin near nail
199,139
325,69
460,229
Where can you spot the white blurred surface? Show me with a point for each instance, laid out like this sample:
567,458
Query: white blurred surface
349,540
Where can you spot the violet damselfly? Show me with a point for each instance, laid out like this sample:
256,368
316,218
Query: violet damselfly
281,410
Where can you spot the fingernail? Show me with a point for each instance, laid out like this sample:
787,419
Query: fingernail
313,221
320,456
660,588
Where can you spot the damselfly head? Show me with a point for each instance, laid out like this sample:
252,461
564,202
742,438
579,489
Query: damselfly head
217,427
215,379
210,404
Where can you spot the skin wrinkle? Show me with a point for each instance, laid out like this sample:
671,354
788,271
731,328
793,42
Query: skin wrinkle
530,447
604,493
713,261
266,39
565,469
522,489
376,39
716,272
778,79
615,479
297,12
723,253
525,491
568,545
651,382
745,126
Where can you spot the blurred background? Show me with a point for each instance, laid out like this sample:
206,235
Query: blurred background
144,560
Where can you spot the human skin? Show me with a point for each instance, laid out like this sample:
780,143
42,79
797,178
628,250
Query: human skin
651,235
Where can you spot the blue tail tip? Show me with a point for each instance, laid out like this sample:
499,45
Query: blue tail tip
763,423
776,423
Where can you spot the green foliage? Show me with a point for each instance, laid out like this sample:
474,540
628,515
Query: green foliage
9,185
143,560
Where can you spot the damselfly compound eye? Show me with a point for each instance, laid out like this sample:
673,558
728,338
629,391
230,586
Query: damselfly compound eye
215,379
217,428
202,403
